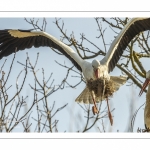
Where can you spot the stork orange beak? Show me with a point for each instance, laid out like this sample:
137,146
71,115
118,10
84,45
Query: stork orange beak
146,83
96,73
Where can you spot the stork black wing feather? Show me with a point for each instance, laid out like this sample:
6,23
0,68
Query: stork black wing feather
133,30
10,46
9,43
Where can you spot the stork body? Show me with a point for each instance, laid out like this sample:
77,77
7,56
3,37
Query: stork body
147,104
22,39
147,109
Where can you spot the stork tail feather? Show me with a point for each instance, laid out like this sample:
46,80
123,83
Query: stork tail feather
86,98
118,81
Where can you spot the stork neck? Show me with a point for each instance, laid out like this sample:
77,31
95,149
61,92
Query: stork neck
148,94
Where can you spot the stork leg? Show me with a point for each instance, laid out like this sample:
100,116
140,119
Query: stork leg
94,108
109,113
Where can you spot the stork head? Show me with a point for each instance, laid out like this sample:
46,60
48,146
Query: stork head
96,65
146,83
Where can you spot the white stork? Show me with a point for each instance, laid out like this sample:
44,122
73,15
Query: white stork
147,105
22,39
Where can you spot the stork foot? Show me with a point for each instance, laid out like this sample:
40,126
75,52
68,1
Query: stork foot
95,110
109,113
110,118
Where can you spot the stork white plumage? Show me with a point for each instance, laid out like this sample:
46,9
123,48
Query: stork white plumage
147,105
22,39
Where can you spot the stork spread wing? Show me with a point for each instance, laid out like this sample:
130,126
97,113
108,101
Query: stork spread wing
132,28
22,39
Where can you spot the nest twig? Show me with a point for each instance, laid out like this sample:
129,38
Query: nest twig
98,85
